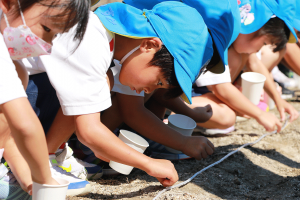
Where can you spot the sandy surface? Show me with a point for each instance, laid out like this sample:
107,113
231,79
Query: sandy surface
268,170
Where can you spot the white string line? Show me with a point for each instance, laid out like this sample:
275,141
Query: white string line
229,154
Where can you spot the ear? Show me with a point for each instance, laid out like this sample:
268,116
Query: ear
151,44
5,5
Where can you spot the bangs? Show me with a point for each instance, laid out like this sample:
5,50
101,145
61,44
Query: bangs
70,13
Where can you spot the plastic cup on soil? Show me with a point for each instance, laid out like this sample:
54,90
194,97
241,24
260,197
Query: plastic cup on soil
182,124
50,192
134,141
252,86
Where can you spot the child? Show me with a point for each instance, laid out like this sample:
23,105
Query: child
278,30
27,29
257,28
219,18
86,92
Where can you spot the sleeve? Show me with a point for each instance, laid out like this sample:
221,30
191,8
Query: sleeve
79,77
10,85
210,78
118,87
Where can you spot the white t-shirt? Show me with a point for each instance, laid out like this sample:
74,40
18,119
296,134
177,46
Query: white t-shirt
210,78
79,78
118,87
10,85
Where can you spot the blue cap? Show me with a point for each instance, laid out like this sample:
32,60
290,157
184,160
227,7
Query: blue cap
221,17
297,17
256,13
172,22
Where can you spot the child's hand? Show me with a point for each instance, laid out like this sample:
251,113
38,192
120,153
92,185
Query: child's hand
283,106
198,147
269,121
203,113
163,170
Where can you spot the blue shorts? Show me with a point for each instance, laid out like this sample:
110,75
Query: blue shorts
198,91
43,99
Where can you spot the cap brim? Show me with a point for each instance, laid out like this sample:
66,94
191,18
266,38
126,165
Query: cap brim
184,81
297,24
125,20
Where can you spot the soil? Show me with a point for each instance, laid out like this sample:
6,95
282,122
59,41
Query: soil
267,170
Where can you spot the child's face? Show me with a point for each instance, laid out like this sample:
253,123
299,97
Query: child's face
36,18
138,75
250,43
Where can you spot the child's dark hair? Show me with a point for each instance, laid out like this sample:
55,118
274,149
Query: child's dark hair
215,59
75,11
165,61
278,31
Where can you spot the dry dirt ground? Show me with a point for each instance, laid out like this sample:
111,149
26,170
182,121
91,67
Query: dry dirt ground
269,169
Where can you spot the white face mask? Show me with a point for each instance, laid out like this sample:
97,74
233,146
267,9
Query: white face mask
128,54
21,42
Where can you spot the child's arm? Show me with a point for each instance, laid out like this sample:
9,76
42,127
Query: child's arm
230,95
142,120
292,58
29,137
92,133
256,65
18,165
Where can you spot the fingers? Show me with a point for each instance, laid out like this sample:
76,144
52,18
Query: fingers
282,114
293,114
211,145
208,108
278,124
166,182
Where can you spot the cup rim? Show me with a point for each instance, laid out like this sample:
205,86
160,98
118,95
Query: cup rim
244,77
194,126
143,145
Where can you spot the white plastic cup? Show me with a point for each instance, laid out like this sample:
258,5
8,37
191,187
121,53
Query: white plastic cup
252,86
50,192
182,124
134,141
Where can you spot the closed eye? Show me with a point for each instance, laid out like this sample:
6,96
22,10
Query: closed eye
160,83
46,28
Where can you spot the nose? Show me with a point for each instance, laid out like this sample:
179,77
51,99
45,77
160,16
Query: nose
148,90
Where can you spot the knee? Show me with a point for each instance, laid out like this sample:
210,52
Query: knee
229,118
226,117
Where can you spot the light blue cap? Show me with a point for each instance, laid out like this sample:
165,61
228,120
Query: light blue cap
297,17
256,13
172,22
221,17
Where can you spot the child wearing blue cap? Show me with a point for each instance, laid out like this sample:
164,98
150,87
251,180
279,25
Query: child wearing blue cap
256,30
288,57
151,59
223,29
272,24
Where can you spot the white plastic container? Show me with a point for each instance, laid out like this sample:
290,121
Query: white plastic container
134,141
182,124
50,192
252,85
